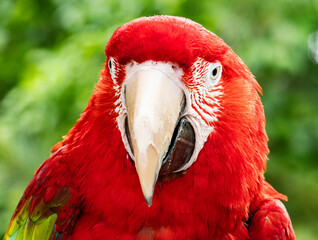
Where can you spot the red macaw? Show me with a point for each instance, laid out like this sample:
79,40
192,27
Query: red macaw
176,120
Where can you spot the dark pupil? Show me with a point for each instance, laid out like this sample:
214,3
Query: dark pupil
214,72
110,64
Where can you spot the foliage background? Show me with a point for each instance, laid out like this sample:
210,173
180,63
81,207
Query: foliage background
51,53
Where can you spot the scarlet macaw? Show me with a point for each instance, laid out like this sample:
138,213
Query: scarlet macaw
176,120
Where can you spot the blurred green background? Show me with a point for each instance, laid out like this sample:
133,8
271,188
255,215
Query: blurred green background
51,53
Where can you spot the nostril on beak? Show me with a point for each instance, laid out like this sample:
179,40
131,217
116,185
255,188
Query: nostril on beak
130,64
175,68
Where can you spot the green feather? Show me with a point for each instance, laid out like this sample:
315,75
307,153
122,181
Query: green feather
22,227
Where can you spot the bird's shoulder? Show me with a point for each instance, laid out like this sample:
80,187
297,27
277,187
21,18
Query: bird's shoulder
49,206
271,219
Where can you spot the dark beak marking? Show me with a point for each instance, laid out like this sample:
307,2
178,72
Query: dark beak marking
181,148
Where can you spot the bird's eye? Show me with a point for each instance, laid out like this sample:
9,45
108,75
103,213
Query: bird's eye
110,65
215,72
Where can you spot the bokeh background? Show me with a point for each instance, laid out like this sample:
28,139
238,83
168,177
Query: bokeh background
51,53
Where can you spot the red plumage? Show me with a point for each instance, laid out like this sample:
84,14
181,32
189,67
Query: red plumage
223,195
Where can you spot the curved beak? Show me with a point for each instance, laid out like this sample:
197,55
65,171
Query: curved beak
153,103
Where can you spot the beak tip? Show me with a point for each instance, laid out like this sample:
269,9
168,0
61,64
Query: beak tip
149,201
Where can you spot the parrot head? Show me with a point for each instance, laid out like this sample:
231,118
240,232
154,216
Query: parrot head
175,119
178,89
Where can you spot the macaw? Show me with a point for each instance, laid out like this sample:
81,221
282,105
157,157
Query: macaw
172,145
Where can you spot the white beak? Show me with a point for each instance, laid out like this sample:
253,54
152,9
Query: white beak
153,102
